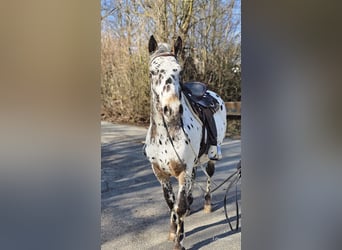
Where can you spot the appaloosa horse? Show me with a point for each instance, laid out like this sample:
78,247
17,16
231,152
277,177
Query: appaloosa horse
173,139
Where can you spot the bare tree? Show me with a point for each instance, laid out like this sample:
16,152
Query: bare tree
209,29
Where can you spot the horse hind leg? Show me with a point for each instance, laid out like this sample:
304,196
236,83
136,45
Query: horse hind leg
189,188
210,169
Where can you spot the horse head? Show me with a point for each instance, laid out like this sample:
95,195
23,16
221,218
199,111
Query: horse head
165,79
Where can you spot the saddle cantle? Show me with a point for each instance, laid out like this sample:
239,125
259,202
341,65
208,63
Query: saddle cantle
197,89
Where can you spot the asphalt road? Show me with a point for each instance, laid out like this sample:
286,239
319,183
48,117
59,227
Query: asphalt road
134,214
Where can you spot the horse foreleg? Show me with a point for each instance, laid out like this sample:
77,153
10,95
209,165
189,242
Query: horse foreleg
210,169
178,214
170,200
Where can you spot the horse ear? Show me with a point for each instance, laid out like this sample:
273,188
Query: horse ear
178,46
152,45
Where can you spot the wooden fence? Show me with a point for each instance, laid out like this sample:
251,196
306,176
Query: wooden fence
233,109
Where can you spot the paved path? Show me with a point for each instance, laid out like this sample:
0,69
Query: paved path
134,214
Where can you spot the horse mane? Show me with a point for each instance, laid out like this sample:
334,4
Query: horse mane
162,48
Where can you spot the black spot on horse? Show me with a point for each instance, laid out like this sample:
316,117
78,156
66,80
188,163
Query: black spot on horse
192,125
162,71
160,142
181,236
166,88
188,127
174,217
182,205
175,70
169,80
174,78
186,142
154,72
221,107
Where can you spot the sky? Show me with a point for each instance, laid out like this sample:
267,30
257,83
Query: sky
236,12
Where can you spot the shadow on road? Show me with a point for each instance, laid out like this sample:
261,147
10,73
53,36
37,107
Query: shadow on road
209,240
134,214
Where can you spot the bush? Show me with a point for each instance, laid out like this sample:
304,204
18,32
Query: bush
125,87
124,84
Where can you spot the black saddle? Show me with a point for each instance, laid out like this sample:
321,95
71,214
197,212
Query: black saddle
197,94
204,106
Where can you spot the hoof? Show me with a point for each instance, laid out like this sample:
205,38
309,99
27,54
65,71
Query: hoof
207,208
178,247
172,237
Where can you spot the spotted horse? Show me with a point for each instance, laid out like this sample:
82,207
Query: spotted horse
174,136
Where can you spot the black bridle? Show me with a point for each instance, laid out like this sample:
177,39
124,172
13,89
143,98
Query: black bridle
162,55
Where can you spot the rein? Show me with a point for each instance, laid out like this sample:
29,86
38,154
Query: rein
237,175
171,141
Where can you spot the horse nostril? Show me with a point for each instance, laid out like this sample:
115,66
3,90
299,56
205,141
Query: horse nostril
167,110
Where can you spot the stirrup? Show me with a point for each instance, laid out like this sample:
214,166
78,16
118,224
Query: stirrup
214,152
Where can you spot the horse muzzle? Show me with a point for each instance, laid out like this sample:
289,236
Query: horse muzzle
172,109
